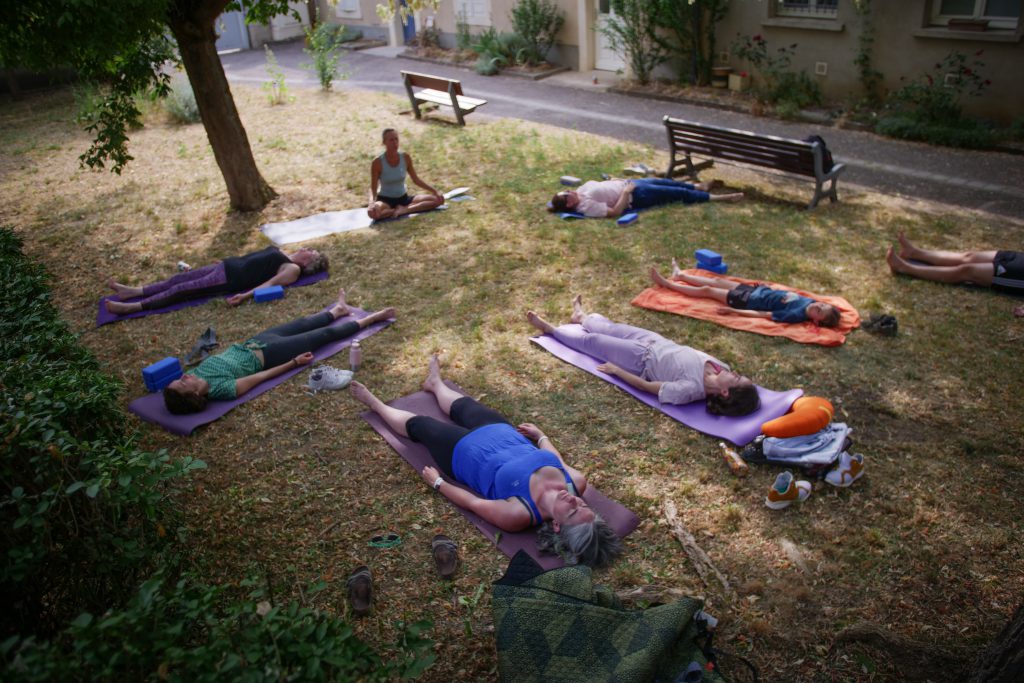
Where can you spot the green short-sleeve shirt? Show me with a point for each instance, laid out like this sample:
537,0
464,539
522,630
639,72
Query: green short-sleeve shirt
221,371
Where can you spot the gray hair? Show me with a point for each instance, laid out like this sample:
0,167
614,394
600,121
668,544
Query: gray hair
317,264
593,544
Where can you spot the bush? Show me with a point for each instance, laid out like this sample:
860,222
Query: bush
967,134
632,31
496,50
321,45
82,510
463,38
188,631
537,22
789,90
180,102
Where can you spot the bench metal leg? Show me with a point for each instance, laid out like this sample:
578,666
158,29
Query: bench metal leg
458,116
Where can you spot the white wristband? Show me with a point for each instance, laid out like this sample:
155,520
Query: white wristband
542,437
438,482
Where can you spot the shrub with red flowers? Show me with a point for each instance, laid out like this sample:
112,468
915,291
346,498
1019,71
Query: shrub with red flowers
778,85
938,98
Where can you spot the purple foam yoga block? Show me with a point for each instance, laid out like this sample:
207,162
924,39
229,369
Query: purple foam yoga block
268,293
706,257
161,373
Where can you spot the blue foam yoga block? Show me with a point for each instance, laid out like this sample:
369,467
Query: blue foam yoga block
721,268
161,373
570,180
268,293
627,218
706,257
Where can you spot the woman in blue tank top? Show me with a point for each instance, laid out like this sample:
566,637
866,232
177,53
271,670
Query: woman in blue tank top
518,478
388,195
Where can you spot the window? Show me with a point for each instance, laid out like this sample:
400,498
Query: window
999,14
817,9
474,12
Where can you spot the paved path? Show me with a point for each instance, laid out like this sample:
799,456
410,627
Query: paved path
989,181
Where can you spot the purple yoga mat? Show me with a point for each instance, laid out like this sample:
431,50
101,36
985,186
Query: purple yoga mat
738,430
103,316
620,518
151,407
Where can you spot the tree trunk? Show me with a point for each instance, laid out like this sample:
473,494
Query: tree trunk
1003,660
196,38
314,14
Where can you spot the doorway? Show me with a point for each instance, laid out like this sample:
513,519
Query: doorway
605,58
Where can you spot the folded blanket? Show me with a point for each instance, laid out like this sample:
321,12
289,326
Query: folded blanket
738,430
103,316
558,626
622,520
152,408
665,300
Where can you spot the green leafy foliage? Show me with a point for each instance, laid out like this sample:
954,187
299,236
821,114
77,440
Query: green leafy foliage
81,510
463,38
537,22
276,88
321,44
189,631
930,108
688,34
633,33
789,90
496,50
180,102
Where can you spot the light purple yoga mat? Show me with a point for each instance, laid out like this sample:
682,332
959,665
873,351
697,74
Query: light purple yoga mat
738,430
103,316
151,407
620,518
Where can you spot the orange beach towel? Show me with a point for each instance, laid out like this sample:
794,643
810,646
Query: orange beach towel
661,299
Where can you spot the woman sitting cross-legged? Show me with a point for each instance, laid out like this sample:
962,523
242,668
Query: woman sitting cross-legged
241,274
270,353
516,484
649,362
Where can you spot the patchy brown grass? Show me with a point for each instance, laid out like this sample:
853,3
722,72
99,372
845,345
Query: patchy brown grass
927,544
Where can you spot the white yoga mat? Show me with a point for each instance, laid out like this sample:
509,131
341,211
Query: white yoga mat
316,225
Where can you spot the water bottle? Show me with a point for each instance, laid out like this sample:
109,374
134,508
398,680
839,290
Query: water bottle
736,464
182,267
355,356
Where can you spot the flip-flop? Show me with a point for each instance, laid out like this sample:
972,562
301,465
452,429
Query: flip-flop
446,556
388,540
360,590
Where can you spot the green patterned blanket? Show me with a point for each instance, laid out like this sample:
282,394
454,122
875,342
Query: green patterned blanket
558,626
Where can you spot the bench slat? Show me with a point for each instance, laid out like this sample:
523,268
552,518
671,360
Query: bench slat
427,81
437,90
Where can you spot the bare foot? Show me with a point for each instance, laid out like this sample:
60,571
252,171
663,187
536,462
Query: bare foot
120,308
658,279
433,379
124,291
539,322
363,395
340,308
578,314
676,270
907,248
896,264
383,314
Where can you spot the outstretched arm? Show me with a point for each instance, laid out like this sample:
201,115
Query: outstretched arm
249,381
286,274
416,179
629,378
508,515
726,310
533,432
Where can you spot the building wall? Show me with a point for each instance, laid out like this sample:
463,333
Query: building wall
905,48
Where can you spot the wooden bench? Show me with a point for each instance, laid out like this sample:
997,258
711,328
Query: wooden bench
441,91
686,138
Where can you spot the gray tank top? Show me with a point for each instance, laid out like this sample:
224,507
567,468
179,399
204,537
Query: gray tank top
392,178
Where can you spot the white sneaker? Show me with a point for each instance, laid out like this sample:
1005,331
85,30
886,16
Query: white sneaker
849,470
324,377
785,490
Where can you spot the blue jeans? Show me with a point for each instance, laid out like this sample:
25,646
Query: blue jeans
650,192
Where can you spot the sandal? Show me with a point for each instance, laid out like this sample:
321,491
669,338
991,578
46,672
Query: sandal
446,556
360,590
882,324
388,540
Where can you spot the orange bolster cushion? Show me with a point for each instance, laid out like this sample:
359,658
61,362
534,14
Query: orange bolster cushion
807,415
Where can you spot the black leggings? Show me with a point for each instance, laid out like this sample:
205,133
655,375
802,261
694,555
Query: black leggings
291,339
440,437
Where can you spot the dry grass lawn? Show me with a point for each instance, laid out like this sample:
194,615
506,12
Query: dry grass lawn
927,544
